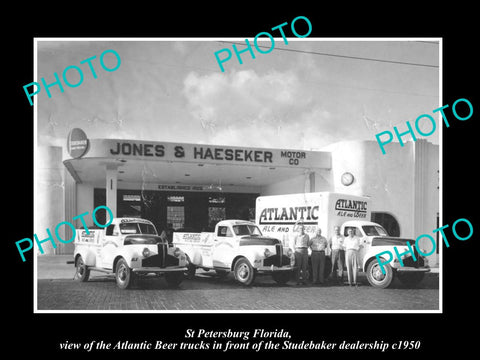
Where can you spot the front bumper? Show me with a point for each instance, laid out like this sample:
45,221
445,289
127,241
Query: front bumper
158,270
272,269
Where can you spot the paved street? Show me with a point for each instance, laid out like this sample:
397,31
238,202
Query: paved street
208,292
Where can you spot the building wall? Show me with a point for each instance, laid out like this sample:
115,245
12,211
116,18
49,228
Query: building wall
403,182
297,184
49,198
84,203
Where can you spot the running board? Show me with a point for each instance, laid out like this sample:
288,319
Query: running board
100,269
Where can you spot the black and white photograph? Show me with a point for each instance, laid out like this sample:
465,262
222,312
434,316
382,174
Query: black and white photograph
221,180
230,175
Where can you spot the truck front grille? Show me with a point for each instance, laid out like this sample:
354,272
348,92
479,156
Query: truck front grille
409,262
279,251
158,260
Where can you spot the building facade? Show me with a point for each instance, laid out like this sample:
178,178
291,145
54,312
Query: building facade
192,186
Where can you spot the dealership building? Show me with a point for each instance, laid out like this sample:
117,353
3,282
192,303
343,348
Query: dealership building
192,186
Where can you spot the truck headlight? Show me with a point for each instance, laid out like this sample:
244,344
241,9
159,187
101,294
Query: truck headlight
146,252
177,252
289,253
267,253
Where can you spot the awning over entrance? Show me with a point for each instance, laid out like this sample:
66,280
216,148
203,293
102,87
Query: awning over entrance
109,163
192,164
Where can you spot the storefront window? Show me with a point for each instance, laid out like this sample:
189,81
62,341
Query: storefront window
176,216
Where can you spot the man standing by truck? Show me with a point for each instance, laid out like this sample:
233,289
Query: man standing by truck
301,244
318,244
352,246
338,255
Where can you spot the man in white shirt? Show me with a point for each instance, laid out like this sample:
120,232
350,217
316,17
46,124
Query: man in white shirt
352,246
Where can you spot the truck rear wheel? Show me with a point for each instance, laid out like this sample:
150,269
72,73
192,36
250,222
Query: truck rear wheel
410,278
83,271
123,274
244,272
375,276
174,279
282,277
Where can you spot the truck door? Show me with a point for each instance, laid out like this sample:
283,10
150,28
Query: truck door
223,247
110,245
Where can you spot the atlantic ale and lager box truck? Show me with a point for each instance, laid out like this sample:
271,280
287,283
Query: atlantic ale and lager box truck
277,215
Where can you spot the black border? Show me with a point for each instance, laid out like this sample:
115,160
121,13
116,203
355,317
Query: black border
438,332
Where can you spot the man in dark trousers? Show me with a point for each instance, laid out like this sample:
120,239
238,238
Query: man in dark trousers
318,244
338,255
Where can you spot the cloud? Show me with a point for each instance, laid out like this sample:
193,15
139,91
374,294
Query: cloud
247,109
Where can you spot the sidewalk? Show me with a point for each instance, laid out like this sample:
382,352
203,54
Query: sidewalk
55,267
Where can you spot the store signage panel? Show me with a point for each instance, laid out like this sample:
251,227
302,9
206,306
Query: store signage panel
207,154
77,143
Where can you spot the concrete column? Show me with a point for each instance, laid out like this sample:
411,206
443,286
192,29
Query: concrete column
49,198
70,192
111,188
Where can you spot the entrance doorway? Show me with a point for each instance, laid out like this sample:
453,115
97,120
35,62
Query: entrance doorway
187,211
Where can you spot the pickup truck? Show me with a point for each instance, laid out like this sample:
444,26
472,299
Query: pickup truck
128,247
238,246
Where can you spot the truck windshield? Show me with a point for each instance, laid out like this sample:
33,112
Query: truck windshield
137,228
240,230
374,230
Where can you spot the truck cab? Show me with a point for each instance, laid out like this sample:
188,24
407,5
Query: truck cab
128,247
237,246
375,240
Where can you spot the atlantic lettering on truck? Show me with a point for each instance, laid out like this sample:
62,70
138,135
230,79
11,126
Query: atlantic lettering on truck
277,215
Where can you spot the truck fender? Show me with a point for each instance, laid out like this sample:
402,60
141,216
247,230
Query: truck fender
194,256
127,254
118,257
373,251
238,257
88,256
368,260
251,253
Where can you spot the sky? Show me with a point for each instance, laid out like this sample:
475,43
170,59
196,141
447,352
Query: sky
296,98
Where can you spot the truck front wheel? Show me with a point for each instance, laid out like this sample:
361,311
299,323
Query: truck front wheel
244,272
83,271
123,274
174,279
376,277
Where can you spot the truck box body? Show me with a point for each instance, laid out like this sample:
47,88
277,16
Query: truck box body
277,214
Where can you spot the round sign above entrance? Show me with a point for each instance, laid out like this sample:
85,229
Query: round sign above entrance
347,178
77,143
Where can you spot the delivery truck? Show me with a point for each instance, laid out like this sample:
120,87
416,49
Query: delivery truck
277,215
